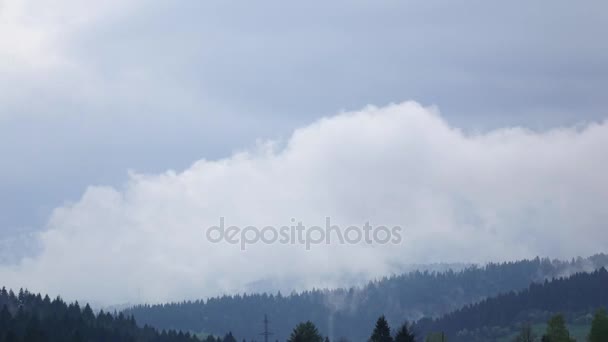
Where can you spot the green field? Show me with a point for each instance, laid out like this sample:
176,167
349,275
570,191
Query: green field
577,331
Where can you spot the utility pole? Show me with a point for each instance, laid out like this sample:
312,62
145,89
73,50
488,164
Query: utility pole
266,333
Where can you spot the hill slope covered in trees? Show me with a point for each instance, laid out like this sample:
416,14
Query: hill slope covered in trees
578,294
30,317
348,312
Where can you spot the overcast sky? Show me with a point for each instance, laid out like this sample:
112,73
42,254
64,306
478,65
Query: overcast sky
507,92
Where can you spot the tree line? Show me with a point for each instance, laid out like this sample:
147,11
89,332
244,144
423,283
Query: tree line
410,296
556,331
28,317
31,318
582,292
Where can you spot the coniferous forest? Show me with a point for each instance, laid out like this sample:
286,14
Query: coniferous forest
411,296
582,293
31,317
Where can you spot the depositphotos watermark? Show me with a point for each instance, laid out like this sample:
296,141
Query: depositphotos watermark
300,234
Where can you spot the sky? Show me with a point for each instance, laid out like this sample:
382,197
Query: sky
128,127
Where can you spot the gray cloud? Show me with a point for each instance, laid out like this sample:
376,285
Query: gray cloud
88,91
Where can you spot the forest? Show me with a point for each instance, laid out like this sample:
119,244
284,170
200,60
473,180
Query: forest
410,296
30,317
578,295
507,316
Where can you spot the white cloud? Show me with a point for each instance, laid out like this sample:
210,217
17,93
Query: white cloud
208,76
508,193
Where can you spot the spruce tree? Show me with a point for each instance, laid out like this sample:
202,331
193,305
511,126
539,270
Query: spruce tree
382,332
305,332
229,337
404,334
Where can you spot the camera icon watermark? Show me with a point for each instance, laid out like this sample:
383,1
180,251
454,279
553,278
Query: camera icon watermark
300,234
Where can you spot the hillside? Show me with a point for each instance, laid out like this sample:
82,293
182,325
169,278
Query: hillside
576,296
30,317
349,312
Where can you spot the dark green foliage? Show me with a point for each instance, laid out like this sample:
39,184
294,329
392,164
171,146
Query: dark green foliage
382,332
405,334
579,292
436,337
406,296
557,331
30,318
599,327
305,332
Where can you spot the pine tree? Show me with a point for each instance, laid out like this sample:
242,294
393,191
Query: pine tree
229,337
404,334
382,332
305,332
599,327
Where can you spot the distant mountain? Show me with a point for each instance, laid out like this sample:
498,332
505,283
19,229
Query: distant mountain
351,312
580,293
30,317
288,284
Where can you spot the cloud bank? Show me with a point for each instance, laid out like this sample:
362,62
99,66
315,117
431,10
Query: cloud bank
507,193
79,78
